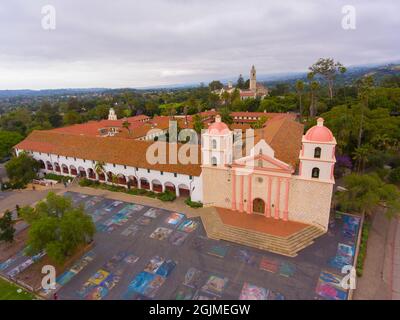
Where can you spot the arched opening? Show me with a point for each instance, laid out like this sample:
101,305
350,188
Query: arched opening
65,169
82,172
315,173
258,205
157,186
91,174
57,167
73,170
132,182
214,143
170,187
121,179
184,190
102,176
110,176
317,152
42,165
144,184
49,165
214,161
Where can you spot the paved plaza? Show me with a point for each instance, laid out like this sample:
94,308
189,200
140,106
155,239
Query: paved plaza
142,252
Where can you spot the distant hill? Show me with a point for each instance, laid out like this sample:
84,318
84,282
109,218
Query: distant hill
379,71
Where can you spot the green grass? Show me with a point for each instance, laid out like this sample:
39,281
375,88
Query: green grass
9,291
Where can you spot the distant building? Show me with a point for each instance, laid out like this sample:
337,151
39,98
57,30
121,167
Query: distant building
256,90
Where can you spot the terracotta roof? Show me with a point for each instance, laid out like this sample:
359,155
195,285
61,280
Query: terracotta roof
92,128
121,151
284,136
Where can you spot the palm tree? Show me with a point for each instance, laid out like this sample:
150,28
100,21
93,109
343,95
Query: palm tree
300,89
364,93
360,155
99,167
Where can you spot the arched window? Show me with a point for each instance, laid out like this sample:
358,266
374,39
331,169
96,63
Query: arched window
214,161
317,152
214,144
315,173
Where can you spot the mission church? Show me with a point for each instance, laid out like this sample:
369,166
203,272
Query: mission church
284,181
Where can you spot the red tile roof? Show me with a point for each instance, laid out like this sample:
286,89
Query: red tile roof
116,150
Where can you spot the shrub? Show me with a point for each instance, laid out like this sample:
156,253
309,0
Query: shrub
363,248
86,182
193,204
394,175
57,177
166,196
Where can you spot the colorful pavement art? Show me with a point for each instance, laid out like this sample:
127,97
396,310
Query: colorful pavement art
178,238
4,265
174,218
24,265
215,285
219,251
268,264
329,287
252,292
161,233
67,276
98,286
188,226
147,283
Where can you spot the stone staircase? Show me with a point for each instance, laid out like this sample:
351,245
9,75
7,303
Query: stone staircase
288,246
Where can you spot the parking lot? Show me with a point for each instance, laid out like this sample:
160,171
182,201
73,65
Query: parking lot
142,252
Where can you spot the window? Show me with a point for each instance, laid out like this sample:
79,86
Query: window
213,161
114,165
317,152
74,159
190,178
161,172
315,173
124,167
148,170
175,174
214,144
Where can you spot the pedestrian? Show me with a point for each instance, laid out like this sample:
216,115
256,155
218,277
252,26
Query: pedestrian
33,187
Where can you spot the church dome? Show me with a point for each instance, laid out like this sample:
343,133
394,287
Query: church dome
218,127
319,133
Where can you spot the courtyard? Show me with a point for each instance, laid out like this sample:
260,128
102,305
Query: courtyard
143,252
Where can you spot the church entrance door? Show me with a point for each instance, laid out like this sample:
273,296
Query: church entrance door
258,206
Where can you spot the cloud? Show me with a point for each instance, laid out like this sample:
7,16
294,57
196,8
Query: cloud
100,43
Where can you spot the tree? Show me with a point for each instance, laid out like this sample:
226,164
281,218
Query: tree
57,227
314,86
8,139
360,155
99,167
197,123
127,125
259,123
364,92
72,117
365,192
240,84
7,229
226,117
22,169
299,90
215,85
328,68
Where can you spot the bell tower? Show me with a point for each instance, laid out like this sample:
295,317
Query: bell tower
253,81
112,115
317,156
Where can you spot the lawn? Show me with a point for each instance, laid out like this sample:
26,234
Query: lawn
9,291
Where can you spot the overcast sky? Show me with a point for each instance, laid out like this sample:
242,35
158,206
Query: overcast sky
132,43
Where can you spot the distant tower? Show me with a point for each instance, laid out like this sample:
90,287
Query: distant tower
253,81
112,115
317,157
217,144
